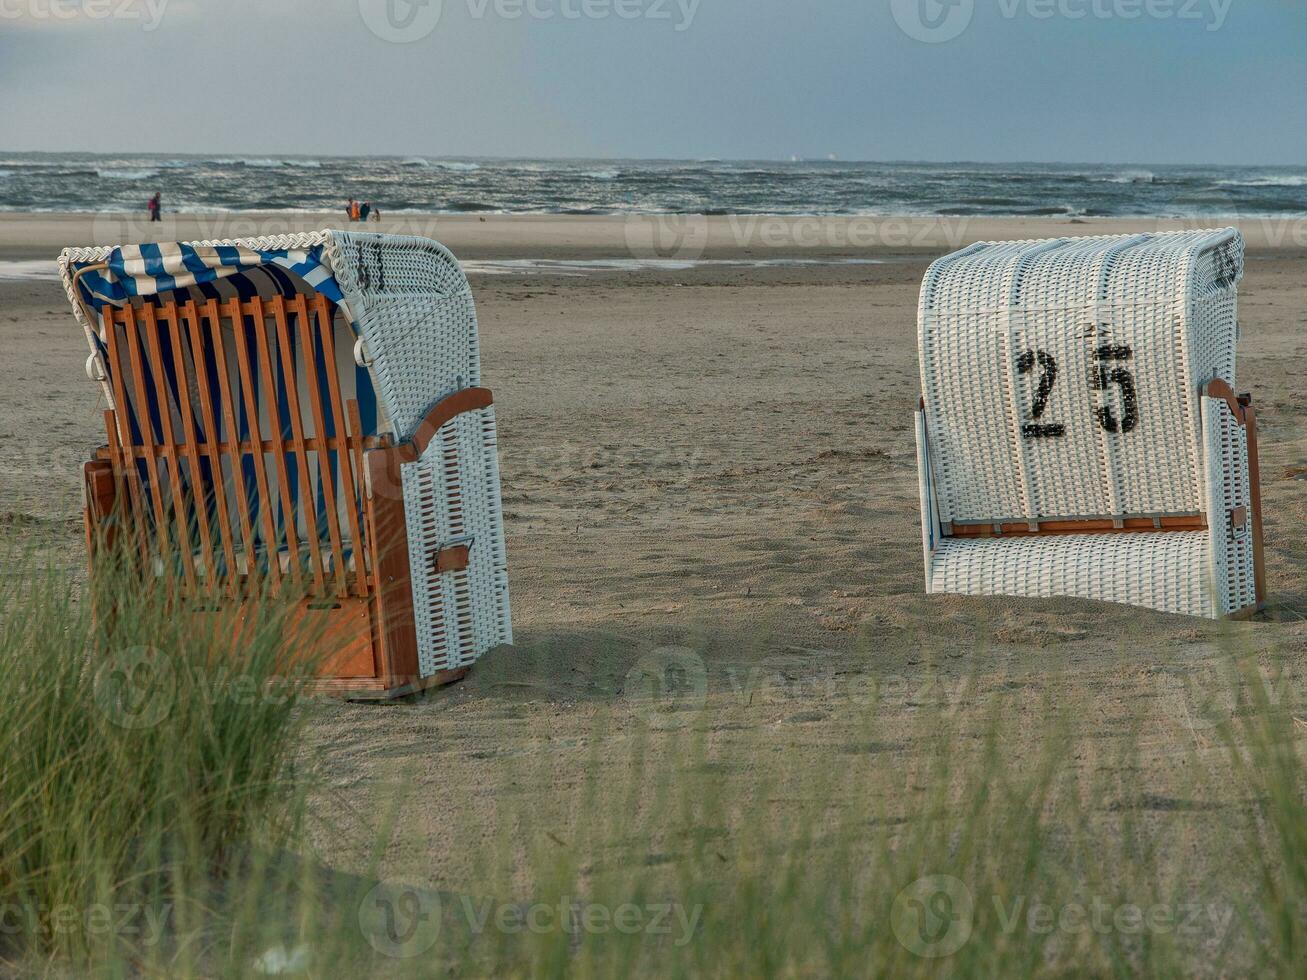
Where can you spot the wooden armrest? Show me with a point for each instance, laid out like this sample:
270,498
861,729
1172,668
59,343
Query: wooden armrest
467,400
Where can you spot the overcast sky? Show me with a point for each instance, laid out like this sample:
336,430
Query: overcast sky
1146,81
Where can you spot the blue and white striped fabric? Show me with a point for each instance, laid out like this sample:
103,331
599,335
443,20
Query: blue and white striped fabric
209,271
154,273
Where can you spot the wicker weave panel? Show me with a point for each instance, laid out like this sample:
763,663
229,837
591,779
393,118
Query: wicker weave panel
1228,491
451,497
416,317
1207,573
1024,346
1166,571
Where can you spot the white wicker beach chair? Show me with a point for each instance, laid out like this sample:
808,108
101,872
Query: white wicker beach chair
304,414
1079,434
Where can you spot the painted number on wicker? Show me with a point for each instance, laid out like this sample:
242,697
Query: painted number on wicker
1103,376
1106,373
1047,378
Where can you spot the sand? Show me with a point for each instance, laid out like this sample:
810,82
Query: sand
672,236
715,459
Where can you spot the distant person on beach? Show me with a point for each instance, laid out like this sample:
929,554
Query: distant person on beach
353,210
155,206
365,209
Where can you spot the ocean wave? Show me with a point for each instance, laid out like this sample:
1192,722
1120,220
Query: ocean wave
424,163
428,211
53,165
1070,210
261,162
429,185
64,173
1283,180
1133,177
1036,211
127,174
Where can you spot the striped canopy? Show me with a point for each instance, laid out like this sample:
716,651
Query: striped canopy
207,272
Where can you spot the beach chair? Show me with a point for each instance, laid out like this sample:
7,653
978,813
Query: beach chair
1079,431
302,416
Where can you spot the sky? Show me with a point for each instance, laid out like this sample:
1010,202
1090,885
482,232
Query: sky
1085,81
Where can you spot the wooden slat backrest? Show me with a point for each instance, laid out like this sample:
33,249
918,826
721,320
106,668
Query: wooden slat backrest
308,354
191,450
308,507
211,427
278,453
267,515
221,447
145,427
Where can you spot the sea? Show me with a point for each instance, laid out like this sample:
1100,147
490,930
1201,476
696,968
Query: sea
429,185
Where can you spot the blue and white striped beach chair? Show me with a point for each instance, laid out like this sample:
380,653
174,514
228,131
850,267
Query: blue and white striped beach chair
303,414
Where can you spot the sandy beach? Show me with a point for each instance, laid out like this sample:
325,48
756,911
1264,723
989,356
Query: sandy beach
710,451
688,237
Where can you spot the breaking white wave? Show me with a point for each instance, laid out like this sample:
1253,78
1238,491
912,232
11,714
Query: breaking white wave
1133,177
425,164
1282,180
128,174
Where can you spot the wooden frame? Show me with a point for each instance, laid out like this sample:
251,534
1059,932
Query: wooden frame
1182,522
338,551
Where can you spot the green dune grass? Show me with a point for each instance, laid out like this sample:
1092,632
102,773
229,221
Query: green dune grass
155,820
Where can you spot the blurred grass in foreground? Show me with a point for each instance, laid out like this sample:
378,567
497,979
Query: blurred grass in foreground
145,756
162,787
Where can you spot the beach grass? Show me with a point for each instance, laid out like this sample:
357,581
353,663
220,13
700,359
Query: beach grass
145,755
157,815
989,852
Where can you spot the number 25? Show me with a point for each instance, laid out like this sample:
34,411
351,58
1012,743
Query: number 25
1103,375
